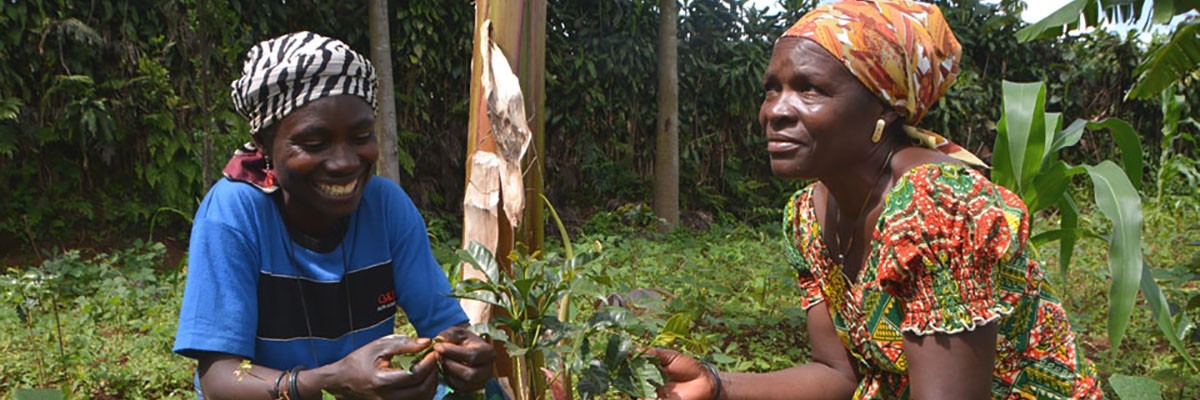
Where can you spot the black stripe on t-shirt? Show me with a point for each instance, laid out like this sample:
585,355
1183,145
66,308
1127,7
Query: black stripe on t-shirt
281,313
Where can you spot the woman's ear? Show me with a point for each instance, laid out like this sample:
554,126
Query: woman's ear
263,140
890,116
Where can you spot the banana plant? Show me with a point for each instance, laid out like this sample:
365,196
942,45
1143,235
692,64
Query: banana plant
1026,161
1166,64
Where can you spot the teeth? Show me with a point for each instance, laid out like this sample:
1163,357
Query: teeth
338,190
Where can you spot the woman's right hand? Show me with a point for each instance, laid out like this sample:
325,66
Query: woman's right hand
687,379
367,373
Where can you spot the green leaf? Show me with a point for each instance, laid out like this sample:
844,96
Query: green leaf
562,230
1053,24
480,257
1021,142
1061,234
1121,204
1131,147
1068,219
1068,137
678,324
593,383
610,316
617,351
1049,185
1162,313
1163,11
1135,387
638,382
1169,62
37,394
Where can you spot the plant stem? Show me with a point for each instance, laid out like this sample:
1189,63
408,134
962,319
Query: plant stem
58,327
33,339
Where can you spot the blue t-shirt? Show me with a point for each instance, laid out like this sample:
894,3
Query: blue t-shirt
252,292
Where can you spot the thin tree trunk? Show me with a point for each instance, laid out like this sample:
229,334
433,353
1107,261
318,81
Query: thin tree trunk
666,151
385,119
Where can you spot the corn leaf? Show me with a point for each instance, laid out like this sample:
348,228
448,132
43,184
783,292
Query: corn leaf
1021,142
1068,137
1162,313
1121,204
1131,147
1068,213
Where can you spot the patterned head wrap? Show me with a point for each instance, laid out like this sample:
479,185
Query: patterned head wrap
902,51
283,74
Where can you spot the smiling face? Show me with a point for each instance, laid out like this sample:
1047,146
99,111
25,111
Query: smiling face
818,117
323,155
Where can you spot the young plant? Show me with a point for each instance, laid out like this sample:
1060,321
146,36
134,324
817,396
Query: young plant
532,317
1026,161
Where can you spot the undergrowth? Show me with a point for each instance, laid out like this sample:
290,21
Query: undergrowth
102,326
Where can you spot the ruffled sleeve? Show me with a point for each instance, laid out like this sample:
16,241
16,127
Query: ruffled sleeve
945,247
795,239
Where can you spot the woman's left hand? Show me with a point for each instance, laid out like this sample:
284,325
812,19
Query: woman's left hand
466,359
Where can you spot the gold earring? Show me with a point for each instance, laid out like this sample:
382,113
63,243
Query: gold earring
878,130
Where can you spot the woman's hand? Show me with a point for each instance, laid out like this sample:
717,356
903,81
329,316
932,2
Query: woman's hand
687,379
367,373
466,359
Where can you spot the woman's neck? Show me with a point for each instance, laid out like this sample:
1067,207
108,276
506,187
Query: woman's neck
311,230
859,189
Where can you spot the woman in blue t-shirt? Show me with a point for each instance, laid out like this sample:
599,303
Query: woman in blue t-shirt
299,257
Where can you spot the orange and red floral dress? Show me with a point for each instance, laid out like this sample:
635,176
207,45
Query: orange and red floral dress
949,254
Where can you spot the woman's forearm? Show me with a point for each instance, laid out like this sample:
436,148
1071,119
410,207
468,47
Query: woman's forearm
808,381
228,377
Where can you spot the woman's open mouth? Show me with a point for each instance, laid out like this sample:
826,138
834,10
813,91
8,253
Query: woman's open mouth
338,190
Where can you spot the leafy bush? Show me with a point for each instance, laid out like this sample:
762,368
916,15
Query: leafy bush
95,326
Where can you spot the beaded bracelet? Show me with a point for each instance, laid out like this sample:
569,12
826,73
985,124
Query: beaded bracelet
717,389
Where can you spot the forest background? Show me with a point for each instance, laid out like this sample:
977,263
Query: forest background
115,118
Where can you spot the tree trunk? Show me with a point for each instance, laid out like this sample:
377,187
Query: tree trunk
503,199
666,151
385,116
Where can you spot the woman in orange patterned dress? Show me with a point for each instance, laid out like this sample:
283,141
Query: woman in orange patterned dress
914,269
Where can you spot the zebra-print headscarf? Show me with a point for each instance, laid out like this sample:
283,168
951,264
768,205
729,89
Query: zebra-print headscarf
283,74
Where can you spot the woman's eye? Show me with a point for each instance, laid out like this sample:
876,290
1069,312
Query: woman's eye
364,137
310,146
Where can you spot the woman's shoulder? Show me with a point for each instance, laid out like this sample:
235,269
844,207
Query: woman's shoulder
950,190
946,180
387,192
229,198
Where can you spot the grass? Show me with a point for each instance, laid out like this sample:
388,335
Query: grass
101,326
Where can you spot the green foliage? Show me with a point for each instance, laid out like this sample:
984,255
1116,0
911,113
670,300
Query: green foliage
1169,62
94,326
1164,65
118,109
122,108
1136,387
731,282
1026,161
1179,132
527,321
1037,174
1079,13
